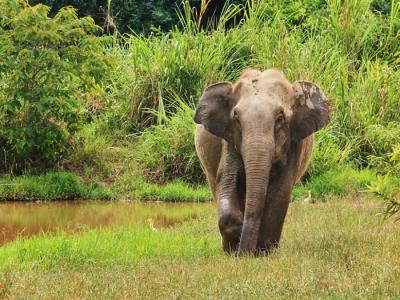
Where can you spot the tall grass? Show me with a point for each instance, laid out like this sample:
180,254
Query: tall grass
171,143
176,63
349,49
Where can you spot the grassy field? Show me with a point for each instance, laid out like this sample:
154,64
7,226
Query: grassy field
339,248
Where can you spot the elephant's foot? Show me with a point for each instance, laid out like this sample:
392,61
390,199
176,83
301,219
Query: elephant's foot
266,247
230,226
230,246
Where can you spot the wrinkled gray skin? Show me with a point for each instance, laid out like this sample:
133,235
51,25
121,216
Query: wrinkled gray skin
254,141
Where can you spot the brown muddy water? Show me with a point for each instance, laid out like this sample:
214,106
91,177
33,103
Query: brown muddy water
21,220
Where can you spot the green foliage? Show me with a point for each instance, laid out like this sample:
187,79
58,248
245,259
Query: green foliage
387,186
382,6
48,66
348,48
395,158
143,16
137,15
382,138
380,142
166,151
83,7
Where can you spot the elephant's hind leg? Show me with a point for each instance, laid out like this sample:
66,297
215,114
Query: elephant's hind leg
208,148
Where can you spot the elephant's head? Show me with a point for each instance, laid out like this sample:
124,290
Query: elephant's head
262,115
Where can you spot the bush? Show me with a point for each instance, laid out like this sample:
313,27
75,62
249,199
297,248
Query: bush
387,186
167,151
138,15
48,68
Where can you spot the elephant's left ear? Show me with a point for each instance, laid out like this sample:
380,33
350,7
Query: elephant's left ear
311,111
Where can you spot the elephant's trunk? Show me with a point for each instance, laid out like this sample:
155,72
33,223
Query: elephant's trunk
257,157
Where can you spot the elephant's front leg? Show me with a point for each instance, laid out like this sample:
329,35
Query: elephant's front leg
230,224
275,210
230,210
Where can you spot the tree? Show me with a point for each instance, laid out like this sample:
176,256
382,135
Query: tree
48,66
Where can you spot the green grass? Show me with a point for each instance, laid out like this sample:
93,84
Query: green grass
105,247
340,181
59,185
335,249
174,191
67,186
50,186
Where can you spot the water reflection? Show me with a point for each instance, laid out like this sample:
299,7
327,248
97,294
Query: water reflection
27,219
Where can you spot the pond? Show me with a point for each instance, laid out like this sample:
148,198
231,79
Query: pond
27,219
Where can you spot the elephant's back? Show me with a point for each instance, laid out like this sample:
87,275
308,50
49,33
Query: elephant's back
305,152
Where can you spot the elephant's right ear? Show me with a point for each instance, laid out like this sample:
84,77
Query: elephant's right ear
213,110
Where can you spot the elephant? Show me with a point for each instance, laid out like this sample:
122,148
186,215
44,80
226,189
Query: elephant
254,140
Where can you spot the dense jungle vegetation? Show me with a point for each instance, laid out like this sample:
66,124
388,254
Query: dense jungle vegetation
99,115
144,16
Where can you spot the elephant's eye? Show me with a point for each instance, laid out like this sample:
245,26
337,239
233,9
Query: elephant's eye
280,117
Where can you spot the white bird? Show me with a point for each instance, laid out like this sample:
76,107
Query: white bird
150,220
309,199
